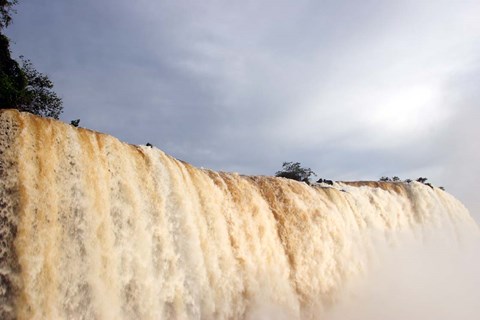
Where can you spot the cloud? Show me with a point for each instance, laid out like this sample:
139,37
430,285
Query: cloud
461,148
351,89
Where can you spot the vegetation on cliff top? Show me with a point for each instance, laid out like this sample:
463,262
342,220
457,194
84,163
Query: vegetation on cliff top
22,87
294,171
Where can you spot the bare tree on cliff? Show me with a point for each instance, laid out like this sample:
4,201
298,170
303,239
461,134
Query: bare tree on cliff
23,87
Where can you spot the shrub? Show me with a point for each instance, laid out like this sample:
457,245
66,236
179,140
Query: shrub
294,171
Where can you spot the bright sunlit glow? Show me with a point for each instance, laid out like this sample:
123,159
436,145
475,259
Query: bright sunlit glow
407,108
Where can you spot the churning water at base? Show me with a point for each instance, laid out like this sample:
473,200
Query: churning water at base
93,228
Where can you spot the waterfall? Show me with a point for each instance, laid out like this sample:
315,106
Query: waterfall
93,228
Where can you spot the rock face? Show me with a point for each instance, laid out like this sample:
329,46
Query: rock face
93,228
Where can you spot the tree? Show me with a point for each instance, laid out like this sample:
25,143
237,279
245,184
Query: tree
12,79
23,87
294,171
5,12
39,97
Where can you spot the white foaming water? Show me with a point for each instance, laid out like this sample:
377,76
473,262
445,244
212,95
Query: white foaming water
93,228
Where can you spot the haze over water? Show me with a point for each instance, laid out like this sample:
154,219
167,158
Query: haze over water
96,228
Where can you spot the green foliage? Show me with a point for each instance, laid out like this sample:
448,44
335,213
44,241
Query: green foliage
12,79
6,11
39,98
294,171
23,87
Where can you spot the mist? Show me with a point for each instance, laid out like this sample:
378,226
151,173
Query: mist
430,280
130,232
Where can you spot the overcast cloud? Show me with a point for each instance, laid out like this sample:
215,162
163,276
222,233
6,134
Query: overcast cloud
352,89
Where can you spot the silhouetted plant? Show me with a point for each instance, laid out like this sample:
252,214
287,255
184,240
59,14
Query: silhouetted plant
5,12
23,87
321,180
39,98
294,171
12,79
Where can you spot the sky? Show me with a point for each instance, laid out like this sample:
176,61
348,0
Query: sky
351,89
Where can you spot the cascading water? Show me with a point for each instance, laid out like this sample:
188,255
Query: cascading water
92,228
